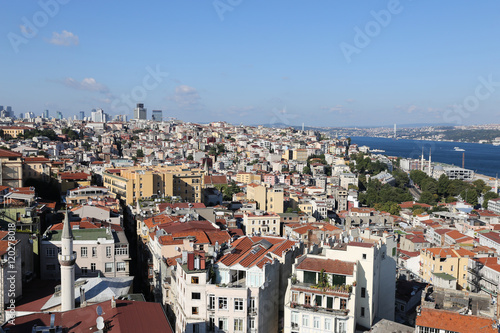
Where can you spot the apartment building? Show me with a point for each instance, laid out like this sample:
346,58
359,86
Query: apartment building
88,194
270,199
450,261
348,285
240,293
100,251
38,168
11,168
248,178
261,222
134,183
484,275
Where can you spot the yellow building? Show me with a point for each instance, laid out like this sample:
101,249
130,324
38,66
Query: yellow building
446,260
138,182
37,168
295,154
268,198
247,178
11,170
14,131
306,207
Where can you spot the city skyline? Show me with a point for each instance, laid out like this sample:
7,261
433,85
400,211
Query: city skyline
256,63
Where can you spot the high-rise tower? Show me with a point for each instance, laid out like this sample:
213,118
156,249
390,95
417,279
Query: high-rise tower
67,260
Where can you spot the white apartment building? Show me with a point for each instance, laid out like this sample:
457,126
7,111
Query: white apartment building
239,293
362,284
100,250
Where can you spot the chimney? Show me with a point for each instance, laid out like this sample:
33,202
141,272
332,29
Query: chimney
190,261
202,263
83,300
113,302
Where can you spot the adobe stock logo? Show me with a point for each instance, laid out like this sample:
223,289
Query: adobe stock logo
363,37
222,6
30,28
482,92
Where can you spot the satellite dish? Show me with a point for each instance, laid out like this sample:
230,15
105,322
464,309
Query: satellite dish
346,239
351,238
99,310
99,323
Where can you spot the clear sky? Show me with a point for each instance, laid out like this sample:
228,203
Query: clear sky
322,63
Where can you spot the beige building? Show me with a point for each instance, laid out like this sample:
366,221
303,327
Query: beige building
261,223
451,261
38,168
135,183
269,199
247,178
11,171
295,154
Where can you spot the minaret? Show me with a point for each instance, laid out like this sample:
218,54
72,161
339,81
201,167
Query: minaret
67,260
430,166
422,161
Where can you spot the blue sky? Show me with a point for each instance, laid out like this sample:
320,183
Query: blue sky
322,63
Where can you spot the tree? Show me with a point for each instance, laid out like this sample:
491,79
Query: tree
487,197
190,157
139,153
307,170
428,198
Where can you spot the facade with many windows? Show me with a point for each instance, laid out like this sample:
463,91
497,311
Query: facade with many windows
100,251
134,183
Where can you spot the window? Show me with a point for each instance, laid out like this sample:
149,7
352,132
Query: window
252,304
295,319
211,324
341,326
222,303
108,251
364,255
211,302
92,267
251,323
196,328
223,324
328,324
194,310
440,268
120,267
238,324
195,296
307,299
295,296
51,252
305,320
238,304
343,303
195,280
83,252
84,270
108,267
452,268
362,311
429,330
94,251
363,292
316,322
121,250
393,251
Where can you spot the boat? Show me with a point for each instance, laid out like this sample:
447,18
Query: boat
458,149
377,150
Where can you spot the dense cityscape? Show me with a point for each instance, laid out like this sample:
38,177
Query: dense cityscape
232,166
218,227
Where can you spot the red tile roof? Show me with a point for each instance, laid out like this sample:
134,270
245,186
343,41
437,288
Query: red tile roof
8,153
127,316
74,175
455,322
329,265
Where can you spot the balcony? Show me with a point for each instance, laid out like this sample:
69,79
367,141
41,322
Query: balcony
335,312
338,290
